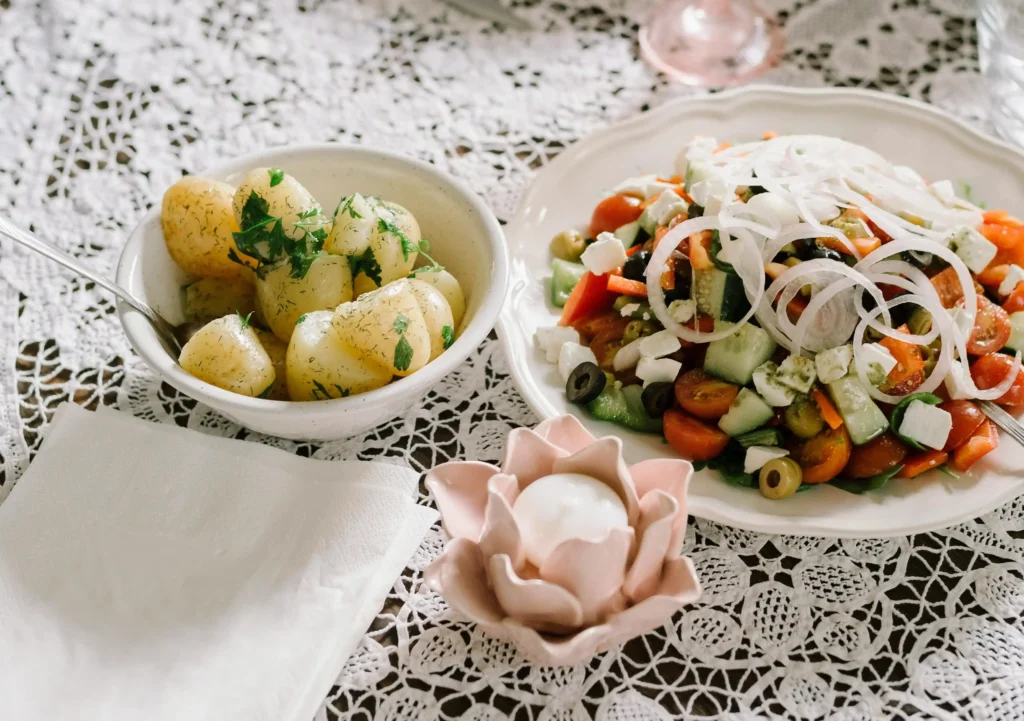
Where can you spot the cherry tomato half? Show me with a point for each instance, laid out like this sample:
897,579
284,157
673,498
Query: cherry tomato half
991,328
990,370
704,395
824,456
614,212
692,438
875,456
966,419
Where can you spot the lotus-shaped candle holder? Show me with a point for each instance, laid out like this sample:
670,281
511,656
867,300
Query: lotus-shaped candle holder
587,596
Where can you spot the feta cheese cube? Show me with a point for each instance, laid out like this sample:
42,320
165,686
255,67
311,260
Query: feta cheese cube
627,356
956,382
571,355
713,192
879,362
834,363
659,344
943,190
666,207
644,186
928,425
1013,276
682,310
798,373
701,146
772,207
629,309
551,340
604,255
657,370
768,387
757,456
973,248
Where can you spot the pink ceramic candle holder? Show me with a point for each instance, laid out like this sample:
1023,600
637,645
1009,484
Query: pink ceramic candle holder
587,596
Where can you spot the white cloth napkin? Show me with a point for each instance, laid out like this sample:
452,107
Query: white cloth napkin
151,572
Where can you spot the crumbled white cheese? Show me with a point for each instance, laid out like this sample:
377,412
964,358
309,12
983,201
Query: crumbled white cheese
772,207
682,310
943,190
928,425
657,370
570,356
660,344
551,340
757,456
956,382
629,309
833,364
1014,275
644,186
712,192
666,207
604,255
798,373
974,249
879,361
627,356
769,388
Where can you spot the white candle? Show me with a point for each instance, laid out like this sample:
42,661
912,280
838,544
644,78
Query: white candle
561,506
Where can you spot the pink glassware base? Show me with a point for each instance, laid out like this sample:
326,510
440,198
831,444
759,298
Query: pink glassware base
710,42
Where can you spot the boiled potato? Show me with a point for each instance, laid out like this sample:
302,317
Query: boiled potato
285,197
386,327
227,353
352,227
283,298
393,239
320,366
277,351
436,314
209,298
450,289
198,221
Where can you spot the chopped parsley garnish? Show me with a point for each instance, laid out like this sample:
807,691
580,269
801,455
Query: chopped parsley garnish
365,263
448,336
320,392
262,238
403,354
244,318
389,226
968,192
276,176
300,319
345,206
424,249
401,323
266,391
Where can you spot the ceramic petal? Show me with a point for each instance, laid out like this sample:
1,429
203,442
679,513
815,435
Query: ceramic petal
658,512
538,604
500,533
460,491
460,577
528,456
671,475
566,432
592,571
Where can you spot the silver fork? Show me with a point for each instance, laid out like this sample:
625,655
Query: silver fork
1004,420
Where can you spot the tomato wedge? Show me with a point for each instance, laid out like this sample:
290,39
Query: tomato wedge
967,416
1003,236
1015,302
991,328
993,275
875,456
603,322
984,441
703,395
614,212
917,463
909,362
990,370
691,438
824,456
947,285
590,296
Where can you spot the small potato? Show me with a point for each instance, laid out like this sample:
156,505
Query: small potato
198,221
353,224
227,353
320,366
436,314
386,327
285,197
450,289
277,351
282,298
209,298
393,240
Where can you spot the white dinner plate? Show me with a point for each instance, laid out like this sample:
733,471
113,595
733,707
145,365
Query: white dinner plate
908,133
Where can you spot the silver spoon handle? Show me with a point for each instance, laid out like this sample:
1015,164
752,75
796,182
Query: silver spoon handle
34,242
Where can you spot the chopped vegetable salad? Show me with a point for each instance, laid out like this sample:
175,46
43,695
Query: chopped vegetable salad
793,311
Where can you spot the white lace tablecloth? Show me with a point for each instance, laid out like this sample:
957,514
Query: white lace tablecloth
104,103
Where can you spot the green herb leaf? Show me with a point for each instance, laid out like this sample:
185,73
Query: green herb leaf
300,319
424,245
401,323
301,262
389,226
320,392
403,354
858,486
276,176
307,214
244,319
266,391
365,263
345,392
345,206
448,336
968,192
426,269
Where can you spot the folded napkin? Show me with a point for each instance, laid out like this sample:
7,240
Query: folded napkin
152,572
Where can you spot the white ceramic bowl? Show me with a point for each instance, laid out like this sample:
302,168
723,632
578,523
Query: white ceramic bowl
464,236
566,190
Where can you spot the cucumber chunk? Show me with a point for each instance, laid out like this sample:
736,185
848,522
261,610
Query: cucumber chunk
631,234
863,419
720,294
625,407
734,358
747,412
564,277
1016,341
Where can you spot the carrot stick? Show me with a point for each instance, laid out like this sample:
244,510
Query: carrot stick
625,286
828,411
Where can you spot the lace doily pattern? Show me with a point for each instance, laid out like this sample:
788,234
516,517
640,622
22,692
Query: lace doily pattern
106,103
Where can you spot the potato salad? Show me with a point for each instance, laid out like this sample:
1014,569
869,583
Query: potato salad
300,304
793,311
